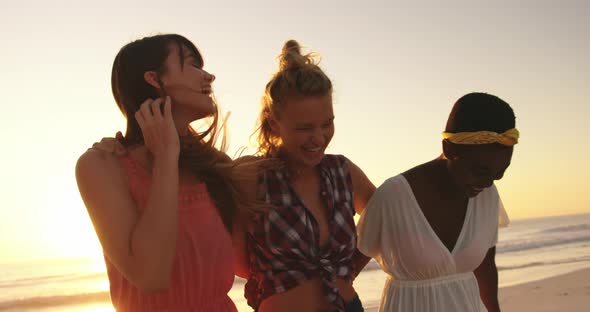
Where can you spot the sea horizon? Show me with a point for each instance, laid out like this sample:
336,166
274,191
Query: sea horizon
528,250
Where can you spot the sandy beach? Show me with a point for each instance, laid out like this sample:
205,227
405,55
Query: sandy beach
569,292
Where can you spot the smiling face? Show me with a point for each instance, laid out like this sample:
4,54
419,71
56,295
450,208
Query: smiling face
305,127
474,168
187,83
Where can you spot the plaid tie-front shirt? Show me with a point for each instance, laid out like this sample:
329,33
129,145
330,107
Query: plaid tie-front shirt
283,245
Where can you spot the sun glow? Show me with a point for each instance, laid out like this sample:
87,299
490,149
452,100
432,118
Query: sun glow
71,233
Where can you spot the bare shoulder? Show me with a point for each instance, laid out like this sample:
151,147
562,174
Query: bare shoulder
357,174
355,170
363,188
419,173
103,184
94,159
98,168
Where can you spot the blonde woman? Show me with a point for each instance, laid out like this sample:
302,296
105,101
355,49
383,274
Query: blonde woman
302,252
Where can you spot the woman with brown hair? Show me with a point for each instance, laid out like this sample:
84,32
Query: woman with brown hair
301,237
165,210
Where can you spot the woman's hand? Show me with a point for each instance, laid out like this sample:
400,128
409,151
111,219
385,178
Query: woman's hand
158,128
111,145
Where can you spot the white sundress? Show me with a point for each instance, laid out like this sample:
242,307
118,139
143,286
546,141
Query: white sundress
423,275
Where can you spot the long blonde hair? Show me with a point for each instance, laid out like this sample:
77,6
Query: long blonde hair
298,76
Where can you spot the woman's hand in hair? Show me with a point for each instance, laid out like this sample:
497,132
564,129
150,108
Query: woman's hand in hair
158,128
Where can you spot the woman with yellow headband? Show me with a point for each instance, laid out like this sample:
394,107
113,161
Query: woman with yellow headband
434,228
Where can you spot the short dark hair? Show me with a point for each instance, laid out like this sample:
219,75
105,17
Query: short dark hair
480,112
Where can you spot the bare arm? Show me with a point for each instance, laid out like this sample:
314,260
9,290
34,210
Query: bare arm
140,245
363,189
245,182
487,279
241,253
359,261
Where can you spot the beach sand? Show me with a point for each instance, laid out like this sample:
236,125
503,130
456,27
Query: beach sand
569,292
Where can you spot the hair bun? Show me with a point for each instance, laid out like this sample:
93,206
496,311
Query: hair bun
291,57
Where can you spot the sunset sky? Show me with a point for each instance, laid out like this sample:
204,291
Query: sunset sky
397,70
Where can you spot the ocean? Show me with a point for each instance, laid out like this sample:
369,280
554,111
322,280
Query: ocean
529,249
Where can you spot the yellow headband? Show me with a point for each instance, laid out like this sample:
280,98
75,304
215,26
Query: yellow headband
508,138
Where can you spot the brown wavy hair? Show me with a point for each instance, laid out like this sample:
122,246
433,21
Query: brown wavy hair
198,153
298,76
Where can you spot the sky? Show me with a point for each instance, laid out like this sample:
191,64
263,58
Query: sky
396,69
